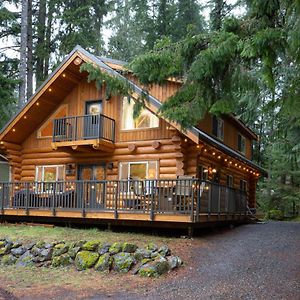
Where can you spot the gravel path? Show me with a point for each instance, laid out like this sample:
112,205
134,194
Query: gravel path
260,261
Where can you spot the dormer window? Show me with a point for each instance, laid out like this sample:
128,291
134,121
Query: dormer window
218,128
241,144
146,119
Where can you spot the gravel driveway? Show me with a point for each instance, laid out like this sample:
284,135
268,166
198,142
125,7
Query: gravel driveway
259,261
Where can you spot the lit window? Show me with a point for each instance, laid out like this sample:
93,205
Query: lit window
137,171
48,175
241,143
146,119
218,128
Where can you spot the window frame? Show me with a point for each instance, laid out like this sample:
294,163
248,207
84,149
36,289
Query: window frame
228,181
49,166
243,185
218,121
133,129
238,144
136,163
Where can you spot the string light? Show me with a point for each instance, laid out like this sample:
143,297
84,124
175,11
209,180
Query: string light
214,153
219,157
50,90
225,159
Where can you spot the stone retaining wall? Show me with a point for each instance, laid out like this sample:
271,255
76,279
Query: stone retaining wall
150,261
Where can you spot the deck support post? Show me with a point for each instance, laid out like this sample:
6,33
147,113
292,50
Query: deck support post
116,201
2,198
190,231
109,226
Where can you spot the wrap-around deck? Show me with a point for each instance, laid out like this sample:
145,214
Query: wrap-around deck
174,201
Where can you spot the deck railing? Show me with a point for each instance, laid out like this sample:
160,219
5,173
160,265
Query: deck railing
181,196
86,127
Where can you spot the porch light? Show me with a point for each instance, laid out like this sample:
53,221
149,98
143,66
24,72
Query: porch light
93,187
214,170
206,188
0,187
205,171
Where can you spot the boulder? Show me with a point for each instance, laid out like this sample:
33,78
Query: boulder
61,261
123,262
16,244
46,254
36,251
152,247
29,246
4,250
154,268
164,251
73,251
103,248
141,253
129,247
85,260
174,262
60,249
18,251
25,260
8,259
40,244
90,246
104,263
2,244
115,248
79,243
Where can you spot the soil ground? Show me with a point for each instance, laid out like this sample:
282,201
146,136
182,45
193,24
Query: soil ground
258,261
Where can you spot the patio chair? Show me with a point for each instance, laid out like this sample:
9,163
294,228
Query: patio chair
183,192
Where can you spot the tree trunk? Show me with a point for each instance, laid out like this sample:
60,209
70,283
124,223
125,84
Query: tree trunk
29,52
216,14
48,38
40,47
23,56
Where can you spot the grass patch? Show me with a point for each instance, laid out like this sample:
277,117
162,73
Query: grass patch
48,234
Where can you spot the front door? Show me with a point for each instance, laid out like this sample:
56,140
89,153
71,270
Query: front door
92,119
92,185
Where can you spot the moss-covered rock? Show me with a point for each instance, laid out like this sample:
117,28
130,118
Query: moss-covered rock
40,244
73,252
16,244
129,247
104,263
85,260
90,246
79,243
164,251
103,248
162,266
25,260
276,214
8,259
174,262
2,244
18,251
115,248
61,261
148,270
4,250
141,253
60,249
152,247
123,262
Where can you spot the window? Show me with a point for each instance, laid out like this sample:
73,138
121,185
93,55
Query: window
137,171
50,173
218,128
146,119
241,143
230,181
243,185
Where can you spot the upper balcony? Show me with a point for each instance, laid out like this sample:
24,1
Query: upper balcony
80,132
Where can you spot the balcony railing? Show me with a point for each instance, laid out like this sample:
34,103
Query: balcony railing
86,127
181,196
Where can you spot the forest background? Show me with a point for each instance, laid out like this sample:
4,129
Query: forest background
238,57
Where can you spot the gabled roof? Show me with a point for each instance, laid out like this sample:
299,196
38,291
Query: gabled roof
194,133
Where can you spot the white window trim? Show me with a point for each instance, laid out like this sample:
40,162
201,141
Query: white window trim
136,163
242,137
43,171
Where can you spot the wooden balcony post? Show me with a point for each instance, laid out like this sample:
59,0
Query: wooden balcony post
198,184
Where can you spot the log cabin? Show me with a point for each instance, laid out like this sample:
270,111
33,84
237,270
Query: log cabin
76,154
